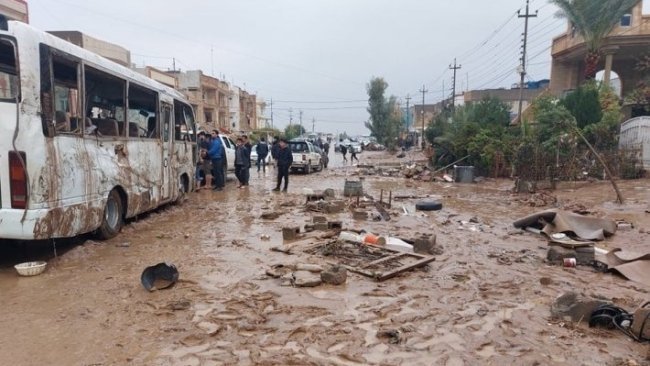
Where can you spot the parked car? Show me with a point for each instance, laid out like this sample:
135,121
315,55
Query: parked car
323,155
305,157
254,156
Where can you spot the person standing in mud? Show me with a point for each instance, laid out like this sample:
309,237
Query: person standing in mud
275,147
344,152
249,150
216,154
284,159
353,155
242,163
326,147
262,150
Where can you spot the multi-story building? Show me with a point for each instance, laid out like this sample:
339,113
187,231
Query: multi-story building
234,108
203,93
247,111
166,78
262,120
108,50
627,42
15,10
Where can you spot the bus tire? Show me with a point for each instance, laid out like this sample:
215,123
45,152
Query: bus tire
113,218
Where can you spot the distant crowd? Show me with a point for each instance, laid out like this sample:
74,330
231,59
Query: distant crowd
212,166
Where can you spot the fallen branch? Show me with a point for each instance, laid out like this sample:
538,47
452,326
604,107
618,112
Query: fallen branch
619,197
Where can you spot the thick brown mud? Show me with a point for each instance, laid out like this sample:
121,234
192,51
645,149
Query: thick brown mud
480,302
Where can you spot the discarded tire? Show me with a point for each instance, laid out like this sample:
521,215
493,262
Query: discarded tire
428,206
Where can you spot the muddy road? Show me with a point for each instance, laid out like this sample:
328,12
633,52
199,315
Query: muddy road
468,307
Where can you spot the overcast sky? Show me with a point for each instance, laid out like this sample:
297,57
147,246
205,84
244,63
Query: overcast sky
318,55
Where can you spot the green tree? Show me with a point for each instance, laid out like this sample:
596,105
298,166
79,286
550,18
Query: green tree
293,131
385,117
593,20
584,104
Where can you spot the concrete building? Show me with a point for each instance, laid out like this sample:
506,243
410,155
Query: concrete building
234,108
108,50
15,10
247,111
263,121
507,96
627,42
203,93
169,79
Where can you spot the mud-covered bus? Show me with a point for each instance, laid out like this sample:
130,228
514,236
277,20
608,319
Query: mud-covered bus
85,143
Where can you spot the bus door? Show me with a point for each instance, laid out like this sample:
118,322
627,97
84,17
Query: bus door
166,151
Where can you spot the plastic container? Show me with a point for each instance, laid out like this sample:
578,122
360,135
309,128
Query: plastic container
464,174
350,236
31,268
370,239
570,262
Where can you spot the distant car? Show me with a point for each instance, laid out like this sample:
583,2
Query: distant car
305,157
324,158
356,146
254,156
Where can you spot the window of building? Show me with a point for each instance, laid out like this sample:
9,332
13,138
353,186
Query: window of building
208,116
105,103
143,116
8,71
626,20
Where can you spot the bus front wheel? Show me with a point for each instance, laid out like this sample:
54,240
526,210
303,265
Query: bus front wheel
113,219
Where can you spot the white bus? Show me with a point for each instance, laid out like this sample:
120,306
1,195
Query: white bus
84,143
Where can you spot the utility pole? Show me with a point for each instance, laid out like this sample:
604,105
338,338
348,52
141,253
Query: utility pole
423,91
313,125
523,63
301,129
290,116
453,94
174,64
408,112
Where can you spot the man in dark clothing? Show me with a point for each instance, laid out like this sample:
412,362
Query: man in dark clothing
249,150
242,163
262,150
285,159
326,147
353,154
275,148
344,151
216,154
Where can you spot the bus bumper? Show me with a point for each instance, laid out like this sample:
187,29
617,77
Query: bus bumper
39,224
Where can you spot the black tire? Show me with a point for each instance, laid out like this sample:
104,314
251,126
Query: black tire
321,166
308,168
113,218
428,206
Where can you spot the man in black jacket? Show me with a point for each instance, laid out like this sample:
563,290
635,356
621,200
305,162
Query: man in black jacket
284,159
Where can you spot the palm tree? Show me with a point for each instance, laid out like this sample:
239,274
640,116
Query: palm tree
593,20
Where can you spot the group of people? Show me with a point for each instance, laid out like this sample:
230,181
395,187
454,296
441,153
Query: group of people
353,154
214,165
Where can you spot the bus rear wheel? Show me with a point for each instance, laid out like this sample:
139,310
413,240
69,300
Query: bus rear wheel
113,219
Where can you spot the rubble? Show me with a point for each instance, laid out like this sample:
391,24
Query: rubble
335,275
572,306
584,255
427,245
290,233
306,279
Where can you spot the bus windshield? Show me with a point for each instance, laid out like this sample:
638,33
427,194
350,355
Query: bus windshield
8,71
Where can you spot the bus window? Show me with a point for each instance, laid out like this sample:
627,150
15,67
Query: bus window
8,72
183,122
67,116
104,103
143,119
